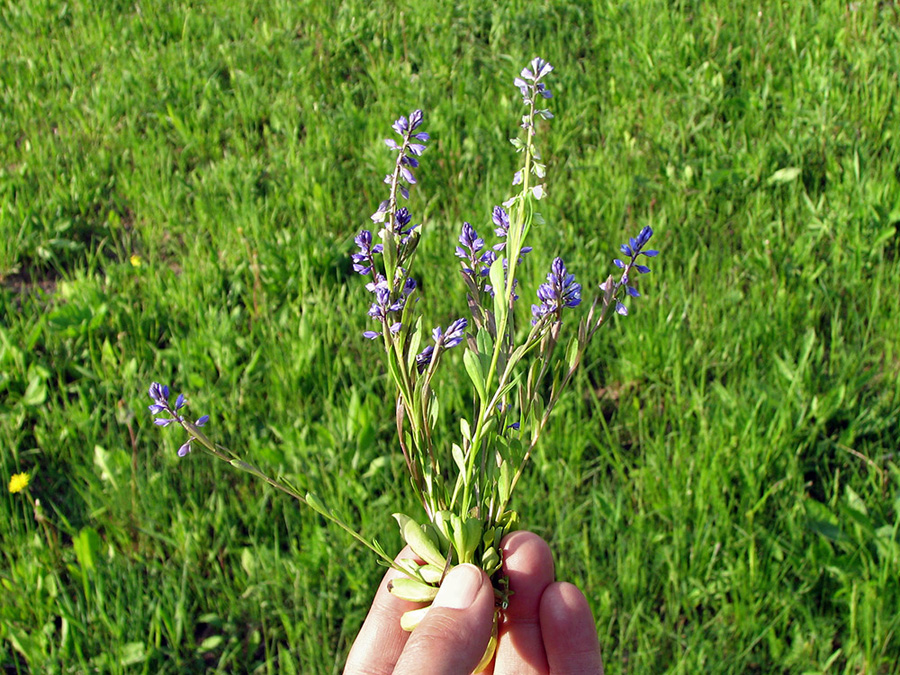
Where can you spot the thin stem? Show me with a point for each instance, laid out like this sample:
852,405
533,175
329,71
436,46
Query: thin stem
220,451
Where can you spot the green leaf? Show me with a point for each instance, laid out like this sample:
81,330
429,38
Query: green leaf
434,409
210,643
498,281
572,353
882,237
409,620
423,543
490,560
459,458
87,544
432,574
465,429
785,175
111,464
393,366
389,252
504,484
414,342
485,344
316,504
473,368
132,653
821,521
442,524
286,661
36,393
466,537
412,590
248,561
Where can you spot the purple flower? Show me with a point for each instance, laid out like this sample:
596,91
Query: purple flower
364,261
471,245
537,69
186,448
501,221
412,145
423,358
159,393
383,307
454,335
445,340
401,220
408,286
487,259
469,239
633,249
561,290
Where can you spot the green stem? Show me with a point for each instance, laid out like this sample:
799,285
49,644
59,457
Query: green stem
220,452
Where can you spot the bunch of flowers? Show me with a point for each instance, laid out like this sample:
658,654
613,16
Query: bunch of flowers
517,368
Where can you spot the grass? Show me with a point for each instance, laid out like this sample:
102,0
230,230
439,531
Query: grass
731,499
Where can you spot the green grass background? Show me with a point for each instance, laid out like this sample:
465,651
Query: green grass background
722,481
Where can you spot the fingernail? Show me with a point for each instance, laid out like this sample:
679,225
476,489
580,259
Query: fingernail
459,588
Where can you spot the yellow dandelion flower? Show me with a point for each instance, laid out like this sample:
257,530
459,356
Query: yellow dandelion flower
18,482
136,261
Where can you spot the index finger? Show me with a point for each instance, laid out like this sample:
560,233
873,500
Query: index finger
381,640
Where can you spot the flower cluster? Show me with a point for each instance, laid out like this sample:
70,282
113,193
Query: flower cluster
159,393
560,291
364,261
531,87
476,265
534,72
476,268
391,284
454,335
501,221
18,482
412,145
632,249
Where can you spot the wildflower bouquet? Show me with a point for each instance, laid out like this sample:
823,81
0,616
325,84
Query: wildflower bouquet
517,369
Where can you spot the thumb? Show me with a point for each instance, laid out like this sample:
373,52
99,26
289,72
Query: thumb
454,633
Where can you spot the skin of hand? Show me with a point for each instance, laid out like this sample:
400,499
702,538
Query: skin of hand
547,627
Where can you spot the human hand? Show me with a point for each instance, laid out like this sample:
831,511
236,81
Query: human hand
547,627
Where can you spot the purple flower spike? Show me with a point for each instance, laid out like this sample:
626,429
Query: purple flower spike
454,335
383,307
423,358
445,340
160,395
529,83
470,240
401,225
561,290
633,249
501,221
475,265
364,261
406,158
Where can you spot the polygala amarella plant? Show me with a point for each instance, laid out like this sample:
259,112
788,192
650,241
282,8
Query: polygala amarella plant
518,368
